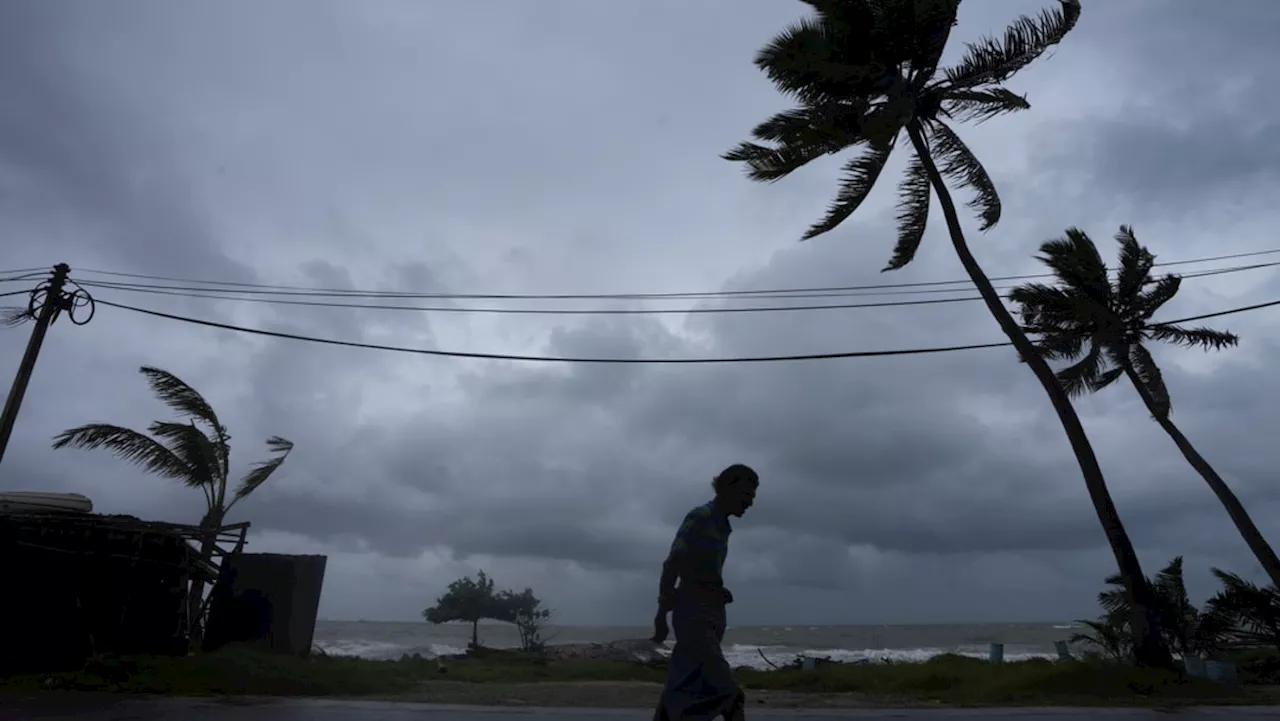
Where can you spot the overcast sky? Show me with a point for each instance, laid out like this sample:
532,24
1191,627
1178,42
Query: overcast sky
571,146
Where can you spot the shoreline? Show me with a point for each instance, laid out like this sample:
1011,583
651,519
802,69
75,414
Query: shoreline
645,651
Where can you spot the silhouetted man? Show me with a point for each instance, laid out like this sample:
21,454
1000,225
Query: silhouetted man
700,684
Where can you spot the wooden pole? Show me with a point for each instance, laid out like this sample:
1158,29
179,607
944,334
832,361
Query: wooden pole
48,309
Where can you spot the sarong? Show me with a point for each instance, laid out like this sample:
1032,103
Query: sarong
700,684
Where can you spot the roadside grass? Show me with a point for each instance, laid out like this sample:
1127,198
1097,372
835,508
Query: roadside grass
948,679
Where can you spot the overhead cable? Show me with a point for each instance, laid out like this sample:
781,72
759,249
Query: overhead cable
554,359
202,294
269,289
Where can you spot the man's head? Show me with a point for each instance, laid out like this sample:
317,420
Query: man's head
736,488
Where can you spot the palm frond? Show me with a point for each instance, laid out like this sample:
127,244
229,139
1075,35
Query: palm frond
179,396
1078,378
1135,266
1113,600
1106,378
197,452
1045,306
1059,344
187,401
992,61
860,175
1075,261
1149,375
767,165
129,445
1162,291
928,24
962,167
981,105
1170,579
828,127
1206,338
262,471
817,58
914,195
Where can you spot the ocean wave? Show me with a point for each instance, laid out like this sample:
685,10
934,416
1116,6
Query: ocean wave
738,655
383,650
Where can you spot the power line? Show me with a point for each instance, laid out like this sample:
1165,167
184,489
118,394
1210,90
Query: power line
203,294
269,289
550,311
665,361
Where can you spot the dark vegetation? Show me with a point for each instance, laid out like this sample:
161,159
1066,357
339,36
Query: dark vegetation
474,600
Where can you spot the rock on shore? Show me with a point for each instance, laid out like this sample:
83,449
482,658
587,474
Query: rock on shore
639,650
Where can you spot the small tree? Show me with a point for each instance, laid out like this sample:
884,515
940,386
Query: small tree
1250,611
1109,637
1187,630
468,600
529,616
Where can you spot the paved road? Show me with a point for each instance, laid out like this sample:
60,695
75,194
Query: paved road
90,708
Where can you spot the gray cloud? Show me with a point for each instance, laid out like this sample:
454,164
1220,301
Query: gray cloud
458,148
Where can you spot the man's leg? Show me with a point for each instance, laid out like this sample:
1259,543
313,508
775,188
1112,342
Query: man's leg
738,711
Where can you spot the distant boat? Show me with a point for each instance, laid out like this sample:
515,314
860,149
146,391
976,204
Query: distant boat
41,502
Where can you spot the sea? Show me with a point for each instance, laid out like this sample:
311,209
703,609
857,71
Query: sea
754,646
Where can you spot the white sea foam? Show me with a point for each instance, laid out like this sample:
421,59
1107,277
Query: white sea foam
738,655
746,655
382,650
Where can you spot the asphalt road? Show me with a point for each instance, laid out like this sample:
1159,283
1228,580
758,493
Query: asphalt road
85,708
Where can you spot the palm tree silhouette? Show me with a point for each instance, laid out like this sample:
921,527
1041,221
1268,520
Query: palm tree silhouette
864,74
1103,326
196,452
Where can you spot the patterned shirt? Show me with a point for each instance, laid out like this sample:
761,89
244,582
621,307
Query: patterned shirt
700,547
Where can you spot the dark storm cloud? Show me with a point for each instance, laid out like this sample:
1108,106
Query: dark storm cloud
1203,120
75,151
901,488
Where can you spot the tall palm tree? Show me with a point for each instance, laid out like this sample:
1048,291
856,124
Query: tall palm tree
865,73
1102,326
196,452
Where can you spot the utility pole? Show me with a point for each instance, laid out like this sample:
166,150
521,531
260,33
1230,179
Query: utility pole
53,302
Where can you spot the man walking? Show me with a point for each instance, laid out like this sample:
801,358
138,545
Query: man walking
700,684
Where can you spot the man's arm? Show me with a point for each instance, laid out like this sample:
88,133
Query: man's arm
677,559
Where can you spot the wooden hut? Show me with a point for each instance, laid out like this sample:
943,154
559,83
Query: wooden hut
75,584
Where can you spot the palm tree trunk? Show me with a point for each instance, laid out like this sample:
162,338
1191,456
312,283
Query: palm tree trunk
1244,524
1150,648
209,526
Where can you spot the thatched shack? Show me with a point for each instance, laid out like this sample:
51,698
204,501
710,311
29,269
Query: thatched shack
75,584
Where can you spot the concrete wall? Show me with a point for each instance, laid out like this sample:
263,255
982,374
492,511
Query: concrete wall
268,600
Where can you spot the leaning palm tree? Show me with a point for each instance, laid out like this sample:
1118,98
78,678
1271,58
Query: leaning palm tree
196,452
865,73
1103,327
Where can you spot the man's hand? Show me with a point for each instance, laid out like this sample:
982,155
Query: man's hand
660,629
